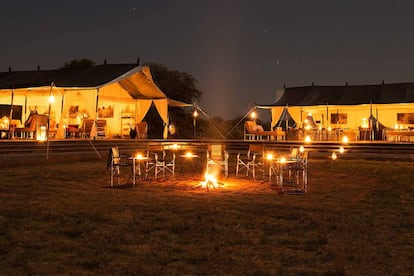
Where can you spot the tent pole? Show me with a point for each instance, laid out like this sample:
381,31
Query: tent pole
247,114
11,135
48,120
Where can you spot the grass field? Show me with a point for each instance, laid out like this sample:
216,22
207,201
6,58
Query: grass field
358,218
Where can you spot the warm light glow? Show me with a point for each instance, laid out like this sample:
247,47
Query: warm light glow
329,128
282,159
396,126
334,156
173,147
309,114
341,150
345,139
195,113
209,182
302,149
269,156
139,156
307,127
189,154
306,121
308,139
253,115
41,134
364,123
51,99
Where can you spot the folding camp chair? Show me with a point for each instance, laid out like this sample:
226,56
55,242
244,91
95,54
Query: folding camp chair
141,129
115,161
160,160
218,156
251,161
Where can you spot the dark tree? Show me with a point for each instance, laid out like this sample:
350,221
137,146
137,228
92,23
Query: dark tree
78,64
178,86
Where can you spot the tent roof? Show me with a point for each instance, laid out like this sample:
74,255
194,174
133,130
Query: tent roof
137,80
346,95
92,76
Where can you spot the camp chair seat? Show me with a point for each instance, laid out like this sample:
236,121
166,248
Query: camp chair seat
36,121
251,161
252,131
161,160
114,163
141,129
85,130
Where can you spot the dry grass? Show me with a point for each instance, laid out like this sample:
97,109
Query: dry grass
358,218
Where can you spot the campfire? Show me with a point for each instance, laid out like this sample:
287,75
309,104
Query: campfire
210,181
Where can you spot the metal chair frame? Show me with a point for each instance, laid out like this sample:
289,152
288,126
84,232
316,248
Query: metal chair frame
114,163
160,161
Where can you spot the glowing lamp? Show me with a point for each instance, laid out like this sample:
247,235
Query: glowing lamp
175,146
51,99
188,154
341,150
41,134
301,149
282,160
195,114
139,156
345,139
308,139
329,128
334,156
269,156
253,115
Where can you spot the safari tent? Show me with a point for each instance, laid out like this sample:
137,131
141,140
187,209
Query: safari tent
347,107
120,94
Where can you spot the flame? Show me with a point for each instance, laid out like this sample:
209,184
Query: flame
209,182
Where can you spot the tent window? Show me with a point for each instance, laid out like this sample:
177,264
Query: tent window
405,118
339,118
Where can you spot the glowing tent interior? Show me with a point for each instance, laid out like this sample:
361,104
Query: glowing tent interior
121,94
349,107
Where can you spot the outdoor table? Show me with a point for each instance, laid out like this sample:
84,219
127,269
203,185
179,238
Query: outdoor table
278,166
137,162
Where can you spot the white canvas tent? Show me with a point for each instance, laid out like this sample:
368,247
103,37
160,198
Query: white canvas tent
349,106
119,93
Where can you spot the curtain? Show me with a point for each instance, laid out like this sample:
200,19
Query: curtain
162,108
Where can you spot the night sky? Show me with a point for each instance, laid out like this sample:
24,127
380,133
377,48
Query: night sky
241,52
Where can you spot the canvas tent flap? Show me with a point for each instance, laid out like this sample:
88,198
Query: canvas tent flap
285,120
